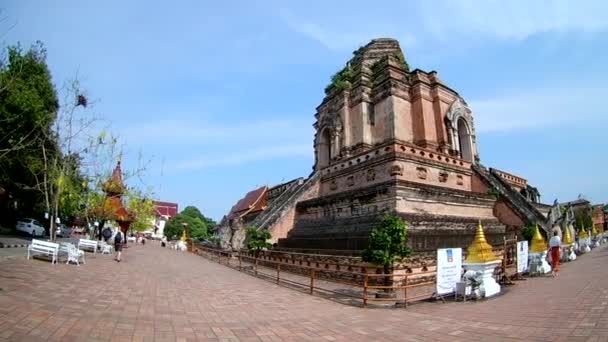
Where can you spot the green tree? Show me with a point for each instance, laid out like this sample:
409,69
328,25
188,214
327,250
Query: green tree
582,218
528,232
198,226
28,108
387,245
257,240
141,211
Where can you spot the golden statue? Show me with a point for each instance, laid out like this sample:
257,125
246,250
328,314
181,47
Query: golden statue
480,250
538,242
183,238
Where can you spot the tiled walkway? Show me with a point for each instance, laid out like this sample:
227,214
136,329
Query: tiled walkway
157,294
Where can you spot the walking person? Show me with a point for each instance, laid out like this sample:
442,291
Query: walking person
118,239
554,249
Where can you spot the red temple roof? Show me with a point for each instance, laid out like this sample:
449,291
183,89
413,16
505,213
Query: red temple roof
253,202
165,208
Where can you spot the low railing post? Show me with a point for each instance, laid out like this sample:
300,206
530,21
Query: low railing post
312,280
278,271
405,292
365,291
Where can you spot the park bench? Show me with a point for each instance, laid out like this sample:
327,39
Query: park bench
105,248
87,244
45,248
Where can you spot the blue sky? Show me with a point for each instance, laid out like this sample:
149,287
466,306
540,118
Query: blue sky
220,96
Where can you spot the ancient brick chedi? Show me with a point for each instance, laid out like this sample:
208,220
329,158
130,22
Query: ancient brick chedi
393,140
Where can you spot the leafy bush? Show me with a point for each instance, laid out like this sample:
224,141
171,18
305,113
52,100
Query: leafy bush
582,217
340,80
403,62
256,240
387,244
494,192
528,232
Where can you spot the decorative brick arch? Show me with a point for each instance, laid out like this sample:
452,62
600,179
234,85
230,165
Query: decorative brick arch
461,131
328,140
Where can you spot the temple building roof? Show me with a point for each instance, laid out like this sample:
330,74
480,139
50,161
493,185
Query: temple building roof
254,201
114,185
165,209
115,206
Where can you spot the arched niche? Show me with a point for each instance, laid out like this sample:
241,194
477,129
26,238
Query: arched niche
324,148
464,140
461,131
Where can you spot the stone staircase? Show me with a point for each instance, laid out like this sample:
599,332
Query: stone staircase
285,201
515,200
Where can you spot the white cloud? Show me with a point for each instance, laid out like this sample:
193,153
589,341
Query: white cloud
247,156
340,34
515,19
529,108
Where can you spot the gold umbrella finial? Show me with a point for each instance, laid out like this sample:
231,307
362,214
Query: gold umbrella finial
567,237
594,231
538,242
480,250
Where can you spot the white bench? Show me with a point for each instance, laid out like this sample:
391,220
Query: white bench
105,248
87,244
45,248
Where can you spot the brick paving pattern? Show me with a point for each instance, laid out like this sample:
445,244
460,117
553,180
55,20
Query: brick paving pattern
157,294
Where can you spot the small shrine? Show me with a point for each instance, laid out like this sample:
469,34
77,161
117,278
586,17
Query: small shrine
113,208
538,254
480,264
568,253
595,237
584,241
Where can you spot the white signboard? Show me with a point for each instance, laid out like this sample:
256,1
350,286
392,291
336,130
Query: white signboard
522,256
449,269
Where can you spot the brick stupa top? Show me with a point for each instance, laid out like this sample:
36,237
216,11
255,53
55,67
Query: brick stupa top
114,186
363,68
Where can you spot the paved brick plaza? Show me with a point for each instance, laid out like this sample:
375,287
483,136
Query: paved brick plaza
160,295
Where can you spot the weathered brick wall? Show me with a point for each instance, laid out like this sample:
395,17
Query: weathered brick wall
506,215
478,185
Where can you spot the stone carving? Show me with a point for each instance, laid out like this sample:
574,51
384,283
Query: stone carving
371,175
443,176
350,180
421,172
459,180
333,185
395,170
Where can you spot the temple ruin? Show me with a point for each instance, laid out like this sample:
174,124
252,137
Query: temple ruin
389,140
